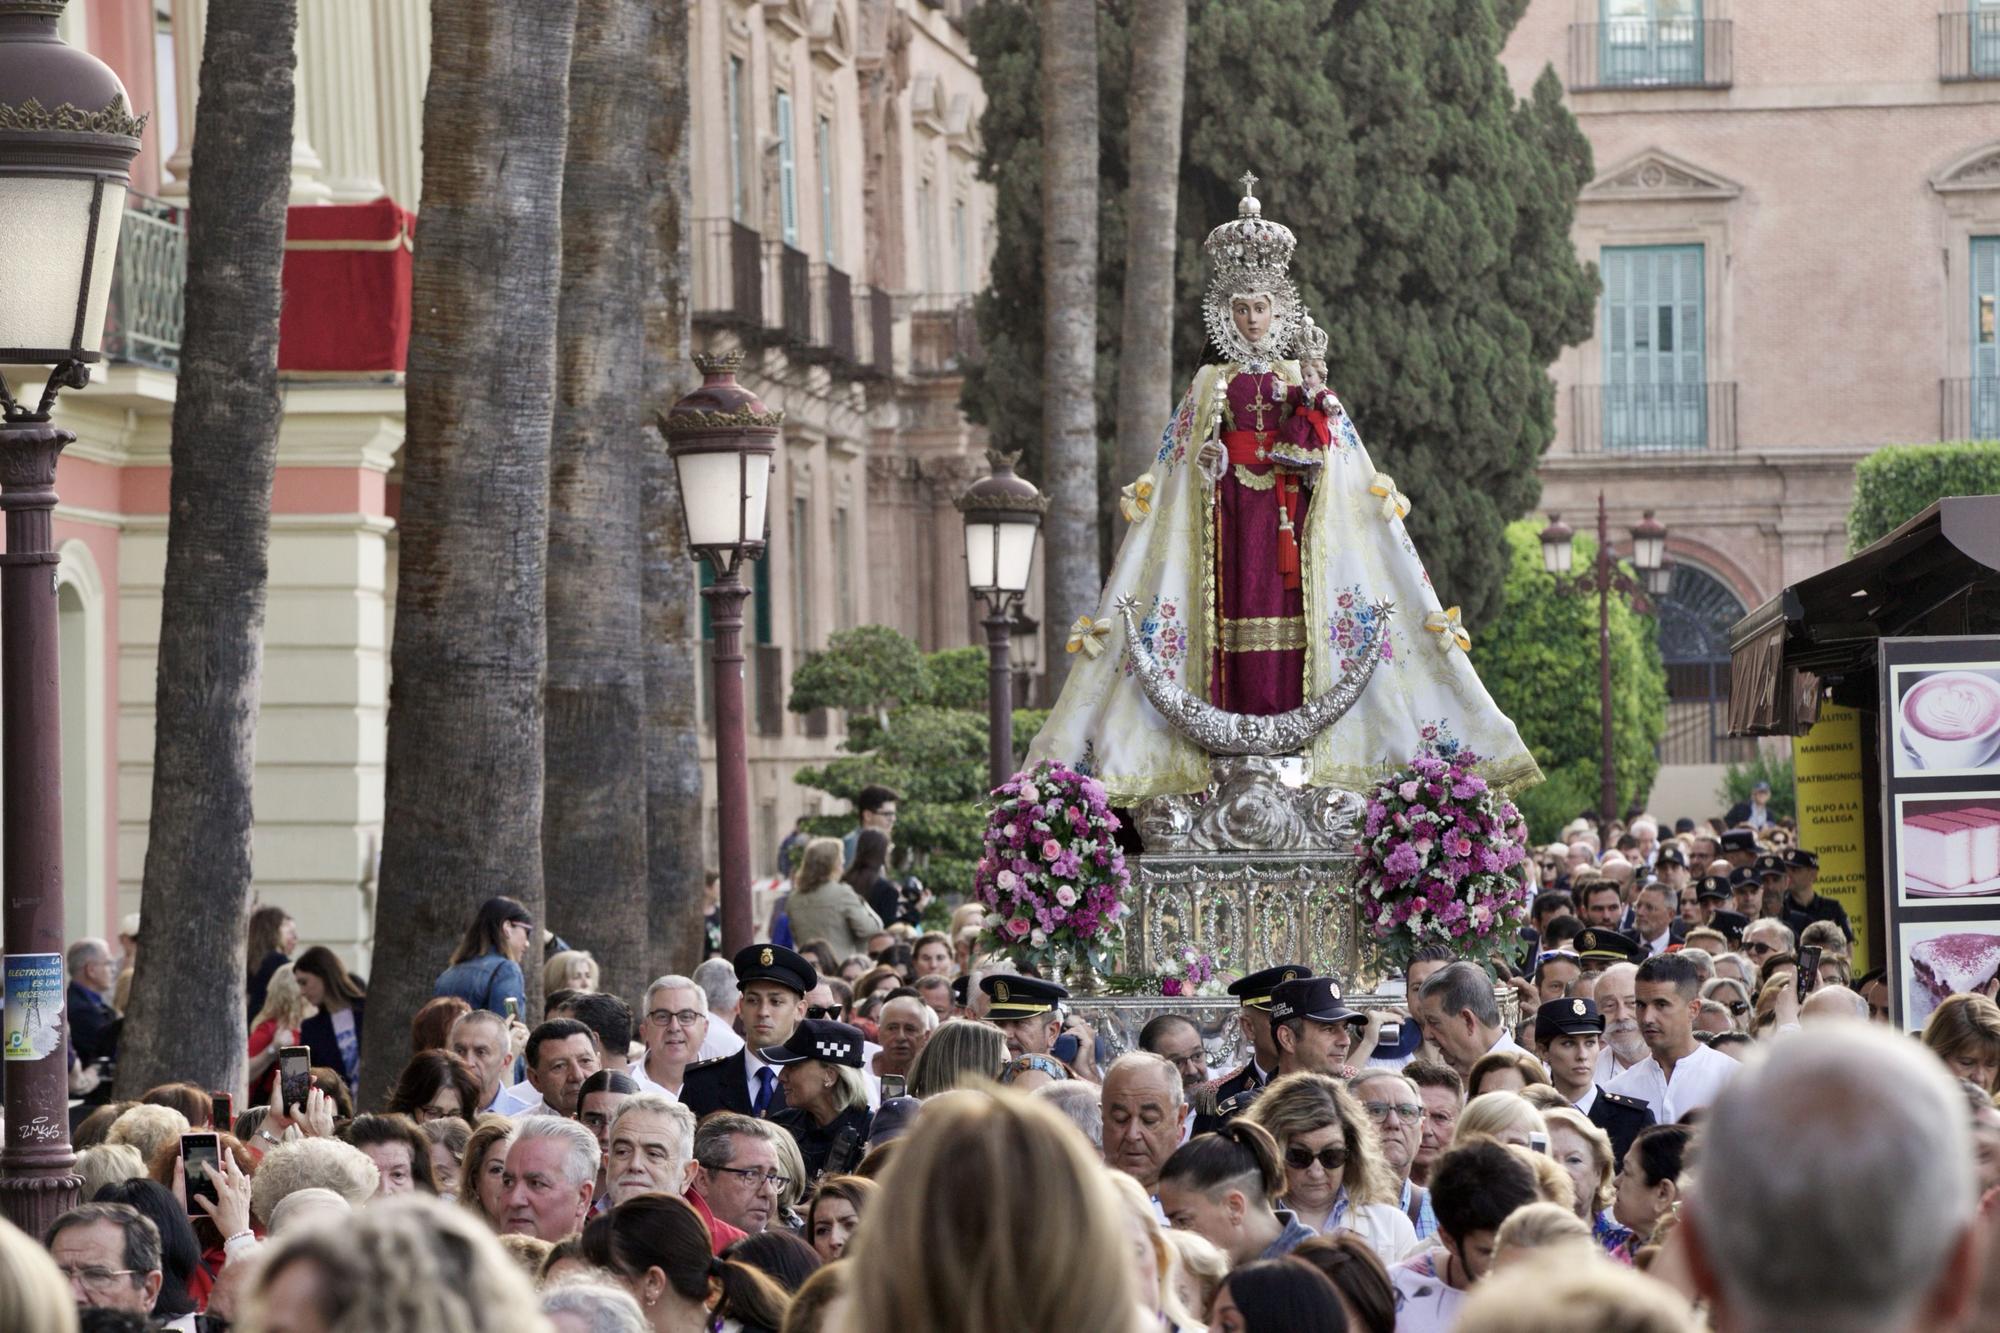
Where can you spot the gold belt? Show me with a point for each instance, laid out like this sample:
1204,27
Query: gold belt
1264,634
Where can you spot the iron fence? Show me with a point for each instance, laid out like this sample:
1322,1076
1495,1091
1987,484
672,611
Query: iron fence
142,322
1653,418
1651,53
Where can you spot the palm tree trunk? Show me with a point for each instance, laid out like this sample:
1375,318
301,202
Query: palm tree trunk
668,575
1072,574
1153,150
594,812
463,817
186,1019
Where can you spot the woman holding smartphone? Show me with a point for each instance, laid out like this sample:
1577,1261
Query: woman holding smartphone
334,1033
276,1025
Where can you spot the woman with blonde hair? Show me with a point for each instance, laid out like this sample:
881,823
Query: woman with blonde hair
1046,1247
1336,1178
1542,1228
277,1024
1199,1268
961,1053
1964,1031
823,906
1503,1117
34,1294
572,969
1584,1150
1504,1071
1551,1294
483,1168
1153,1259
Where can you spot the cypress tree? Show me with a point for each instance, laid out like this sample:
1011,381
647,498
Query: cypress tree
1433,209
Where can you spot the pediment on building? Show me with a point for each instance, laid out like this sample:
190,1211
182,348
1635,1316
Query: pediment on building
1977,170
1656,174
827,35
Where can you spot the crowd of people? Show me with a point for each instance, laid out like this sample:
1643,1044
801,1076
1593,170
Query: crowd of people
1652,1123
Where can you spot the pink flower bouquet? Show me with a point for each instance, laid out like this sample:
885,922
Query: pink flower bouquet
1438,855
1052,876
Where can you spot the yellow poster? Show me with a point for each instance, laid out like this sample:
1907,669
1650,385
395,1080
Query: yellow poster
1828,769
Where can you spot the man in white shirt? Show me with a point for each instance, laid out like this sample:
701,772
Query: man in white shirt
1618,1002
1461,1014
480,1039
1681,1075
561,1054
1474,1189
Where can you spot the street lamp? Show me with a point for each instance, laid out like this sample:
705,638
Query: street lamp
1649,556
722,441
1003,519
66,149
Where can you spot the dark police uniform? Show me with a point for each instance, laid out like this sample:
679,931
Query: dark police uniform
1620,1117
1605,947
1215,1102
724,1084
847,1133
1821,908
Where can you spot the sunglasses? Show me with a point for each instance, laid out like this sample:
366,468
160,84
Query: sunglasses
1759,950
1301,1159
822,1011
1738,1007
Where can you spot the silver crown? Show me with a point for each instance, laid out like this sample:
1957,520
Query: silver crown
1312,341
1250,252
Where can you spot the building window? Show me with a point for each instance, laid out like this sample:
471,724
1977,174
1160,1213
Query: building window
1655,378
802,620
829,234
1694,620
788,169
1983,38
1650,42
926,228
846,575
1985,340
961,278
739,135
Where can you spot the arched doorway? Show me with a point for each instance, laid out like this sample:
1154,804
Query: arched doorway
1694,619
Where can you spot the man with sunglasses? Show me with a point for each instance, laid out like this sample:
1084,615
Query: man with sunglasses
1571,1033
1765,937
774,982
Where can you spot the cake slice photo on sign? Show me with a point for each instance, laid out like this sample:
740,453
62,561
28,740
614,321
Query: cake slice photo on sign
1950,848
1946,963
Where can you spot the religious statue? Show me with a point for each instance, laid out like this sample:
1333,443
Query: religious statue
1267,598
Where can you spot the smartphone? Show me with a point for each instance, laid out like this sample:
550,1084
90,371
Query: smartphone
295,1076
1389,1036
198,1153
892,1086
1537,1142
1808,970
513,1009
221,1111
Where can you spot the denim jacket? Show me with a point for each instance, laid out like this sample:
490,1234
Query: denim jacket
485,982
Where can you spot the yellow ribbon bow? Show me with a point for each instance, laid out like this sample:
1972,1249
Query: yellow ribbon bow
1395,504
1136,500
1447,623
1087,636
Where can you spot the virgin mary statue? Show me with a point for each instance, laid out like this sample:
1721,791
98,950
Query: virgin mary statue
1264,556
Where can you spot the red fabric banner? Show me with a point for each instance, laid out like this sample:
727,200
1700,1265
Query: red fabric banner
347,289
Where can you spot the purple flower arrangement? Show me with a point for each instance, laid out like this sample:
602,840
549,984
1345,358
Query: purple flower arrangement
1438,855
1052,876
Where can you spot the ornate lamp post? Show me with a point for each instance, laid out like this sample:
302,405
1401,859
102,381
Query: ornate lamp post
722,441
66,149
1003,521
1649,556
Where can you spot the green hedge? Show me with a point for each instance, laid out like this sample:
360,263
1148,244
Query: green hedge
1894,485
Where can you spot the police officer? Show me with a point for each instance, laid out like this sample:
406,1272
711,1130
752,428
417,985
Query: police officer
1572,1032
827,1099
1253,995
1746,892
1803,903
1711,893
1773,878
1027,1010
1598,949
1313,1028
774,982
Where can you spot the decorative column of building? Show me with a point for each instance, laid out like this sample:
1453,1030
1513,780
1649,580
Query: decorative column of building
402,72
336,42
190,25
307,168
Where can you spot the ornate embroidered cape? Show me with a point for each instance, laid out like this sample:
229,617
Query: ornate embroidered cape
1356,552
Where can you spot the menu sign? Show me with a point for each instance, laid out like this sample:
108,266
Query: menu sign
1940,723
1827,763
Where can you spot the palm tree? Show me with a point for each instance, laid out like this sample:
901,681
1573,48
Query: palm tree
186,1016
463,816
594,812
667,575
1153,152
1069,302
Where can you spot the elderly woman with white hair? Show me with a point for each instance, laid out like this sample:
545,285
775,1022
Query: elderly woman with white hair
308,1163
826,1097
1582,1149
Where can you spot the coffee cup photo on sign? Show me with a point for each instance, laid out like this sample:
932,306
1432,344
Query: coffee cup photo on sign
1949,847
1947,720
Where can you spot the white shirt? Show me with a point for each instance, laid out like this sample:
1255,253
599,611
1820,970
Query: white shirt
1585,1102
646,1083
514,1099
1656,947
534,1108
719,1041
1424,1304
1609,1066
751,1064
1697,1078
1507,1045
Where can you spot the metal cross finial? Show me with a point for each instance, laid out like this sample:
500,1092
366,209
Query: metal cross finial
1248,182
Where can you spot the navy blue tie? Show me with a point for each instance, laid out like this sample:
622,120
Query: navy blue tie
765,1081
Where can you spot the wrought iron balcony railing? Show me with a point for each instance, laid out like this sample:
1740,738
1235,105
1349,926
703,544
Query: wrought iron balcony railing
142,323
1653,418
944,337
875,333
1969,409
1651,53
1968,44
832,301
728,275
